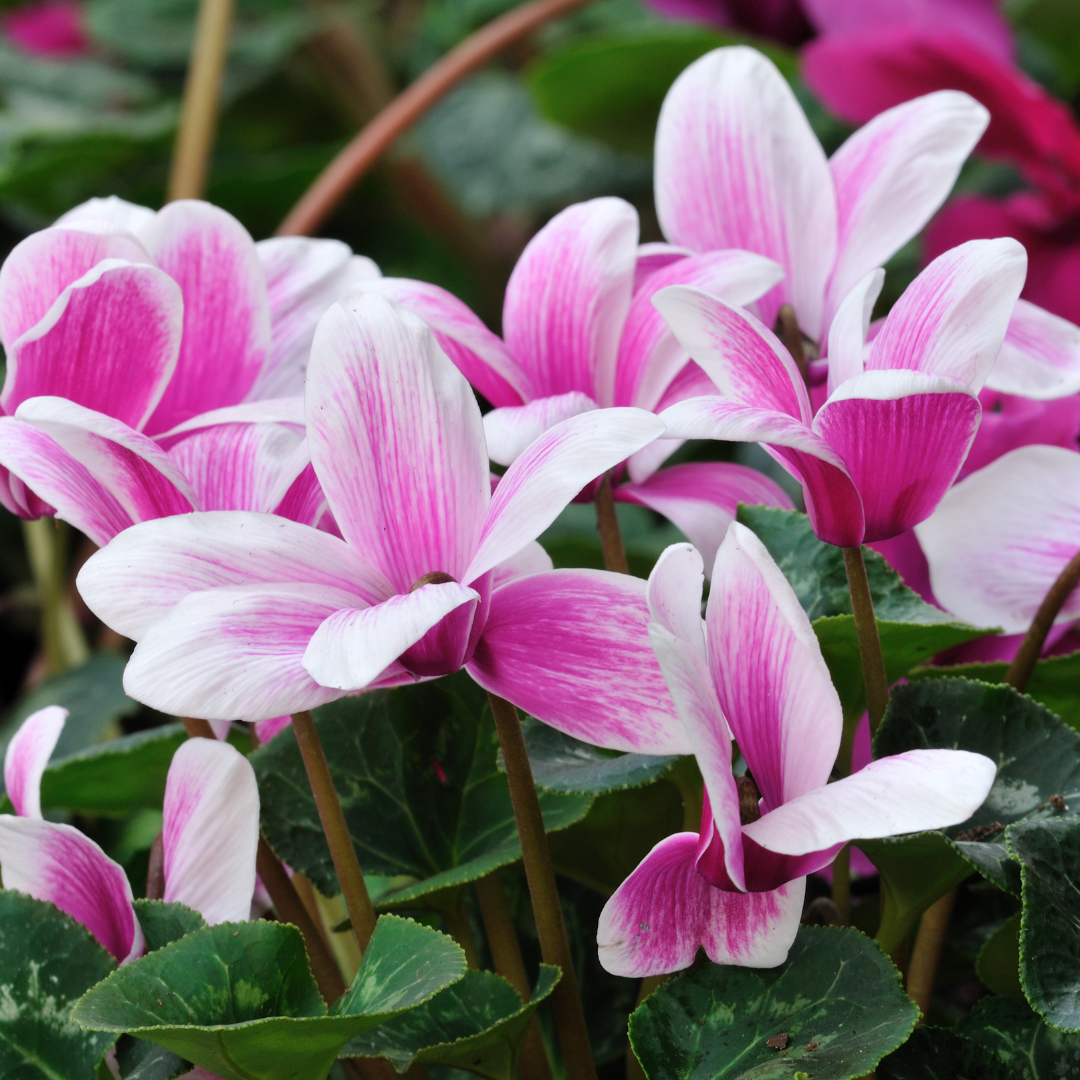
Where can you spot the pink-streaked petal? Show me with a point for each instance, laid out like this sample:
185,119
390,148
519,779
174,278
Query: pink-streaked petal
27,755
531,559
109,342
226,342
568,297
1040,358
904,436
1000,538
265,730
770,677
111,210
655,256
850,325
742,357
544,479
477,353
650,356
648,459
673,594
61,865
665,910
148,570
738,166
892,175
303,500
702,498
571,648
234,654
353,645
951,320
512,428
210,831
397,441
286,410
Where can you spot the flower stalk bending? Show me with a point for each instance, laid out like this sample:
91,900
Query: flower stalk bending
875,680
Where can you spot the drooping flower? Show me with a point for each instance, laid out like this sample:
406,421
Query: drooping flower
753,673
249,616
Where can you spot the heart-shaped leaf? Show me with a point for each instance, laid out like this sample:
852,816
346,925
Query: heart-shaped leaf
1028,1046
936,1054
998,962
163,923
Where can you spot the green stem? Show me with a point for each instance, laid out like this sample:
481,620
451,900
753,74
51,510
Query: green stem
607,521
841,882
540,874
875,679
61,636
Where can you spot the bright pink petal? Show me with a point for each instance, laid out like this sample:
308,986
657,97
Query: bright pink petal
571,648
226,343
512,428
304,499
665,910
531,559
655,256
61,865
738,166
27,755
397,441
211,831
48,28
850,325
1040,358
904,436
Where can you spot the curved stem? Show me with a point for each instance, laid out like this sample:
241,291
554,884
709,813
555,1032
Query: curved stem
1031,647
926,954
62,639
607,522
356,159
875,679
540,874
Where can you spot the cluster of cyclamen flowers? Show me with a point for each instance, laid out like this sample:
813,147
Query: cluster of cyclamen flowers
270,552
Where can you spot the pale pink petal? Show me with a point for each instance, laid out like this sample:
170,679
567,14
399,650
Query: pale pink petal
673,594
397,441
770,677
146,571
904,436
1000,538
1040,358
648,459
571,648
210,831
568,297
111,210
544,479
892,175
738,166
655,256
61,865
531,559
665,911
226,342
850,325
511,429
109,343
303,500
951,320
27,755
265,730
286,410
702,498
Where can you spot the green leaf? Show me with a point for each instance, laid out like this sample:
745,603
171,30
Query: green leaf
837,998
47,960
998,962
138,1059
239,999
162,923
478,1025
1030,1048
423,797
936,1054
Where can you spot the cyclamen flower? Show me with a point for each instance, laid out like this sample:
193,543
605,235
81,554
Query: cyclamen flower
754,673
249,616
901,412
48,28
209,838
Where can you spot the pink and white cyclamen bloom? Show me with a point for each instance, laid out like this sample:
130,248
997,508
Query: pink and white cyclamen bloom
753,672
209,839
250,616
902,410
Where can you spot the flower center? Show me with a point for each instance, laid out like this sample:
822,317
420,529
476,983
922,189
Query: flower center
748,800
436,577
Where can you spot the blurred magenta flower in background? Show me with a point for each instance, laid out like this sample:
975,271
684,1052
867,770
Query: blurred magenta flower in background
51,29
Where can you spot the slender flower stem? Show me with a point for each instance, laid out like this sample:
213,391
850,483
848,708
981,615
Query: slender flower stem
540,874
61,636
607,521
202,94
875,680
925,956
197,729
1031,647
841,882
155,871
793,340
355,160
346,864
457,922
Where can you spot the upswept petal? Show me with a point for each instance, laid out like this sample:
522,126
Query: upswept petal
109,342
665,910
210,831
63,866
654,256
511,429
1040,358
543,480
531,559
27,755
146,571
397,441
892,175
702,498
951,320
571,647
568,297
111,210
770,677
673,594
738,166
226,342
287,410
850,325
1000,538
742,357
